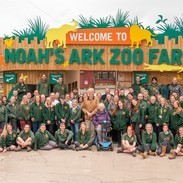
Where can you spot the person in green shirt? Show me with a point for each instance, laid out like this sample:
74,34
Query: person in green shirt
136,86
9,139
62,111
162,115
49,115
64,137
74,117
137,119
121,121
149,140
22,89
43,139
43,86
36,113
3,115
25,139
60,87
150,112
166,141
122,95
83,140
129,141
154,87
24,112
12,112
178,146
176,117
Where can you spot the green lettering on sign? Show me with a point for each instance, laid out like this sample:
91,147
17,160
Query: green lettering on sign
59,56
152,55
176,56
74,57
10,55
20,56
113,59
97,56
86,56
31,57
164,57
138,56
43,55
126,56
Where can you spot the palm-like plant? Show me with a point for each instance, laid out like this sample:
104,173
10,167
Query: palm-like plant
85,23
135,21
179,24
121,19
102,22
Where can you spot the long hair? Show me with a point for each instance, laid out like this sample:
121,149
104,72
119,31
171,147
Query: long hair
135,108
4,132
179,108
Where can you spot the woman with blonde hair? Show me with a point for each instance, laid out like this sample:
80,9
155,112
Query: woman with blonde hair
149,141
2,140
8,139
176,117
83,140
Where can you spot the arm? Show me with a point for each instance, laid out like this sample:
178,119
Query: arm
51,137
78,115
69,135
154,141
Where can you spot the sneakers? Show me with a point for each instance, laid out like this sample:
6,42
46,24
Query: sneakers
79,148
119,151
134,153
29,148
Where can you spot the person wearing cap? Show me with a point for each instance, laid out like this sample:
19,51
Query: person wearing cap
60,87
154,87
64,137
149,141
166,141
22,89
36,113
62,111
44,140
25,139
43,86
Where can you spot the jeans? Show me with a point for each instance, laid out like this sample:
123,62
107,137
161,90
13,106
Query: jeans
51,144
137,133
35,126
75,129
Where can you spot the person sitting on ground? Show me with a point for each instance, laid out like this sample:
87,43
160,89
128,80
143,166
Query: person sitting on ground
25,139
166,141
83,140
44,140
64,137
2,140
99,118
148,142
178,147
9,138
129,141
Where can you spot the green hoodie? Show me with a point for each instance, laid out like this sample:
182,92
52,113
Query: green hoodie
42,138
9,140
151,108
168,136
62,111
149,139
75,114
43,87
49,114
178,140
36,111
176,119
137,117
61,138
27,135
24,112
61,88
162,115
153,88
12,110
22,90
83,138
121,120
3,114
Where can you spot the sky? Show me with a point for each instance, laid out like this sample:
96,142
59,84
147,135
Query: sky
15,13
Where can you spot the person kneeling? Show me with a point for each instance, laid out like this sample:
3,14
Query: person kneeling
166,141
44,140
148,142
25,139
129,141
178,148
63,137
83,140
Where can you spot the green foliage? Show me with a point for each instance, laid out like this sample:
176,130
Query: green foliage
179,25
135,21
85,23
102,22
121,19
36,28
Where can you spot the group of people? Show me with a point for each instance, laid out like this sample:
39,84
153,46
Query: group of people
141,120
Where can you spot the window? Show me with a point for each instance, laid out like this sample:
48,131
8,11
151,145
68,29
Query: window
105,75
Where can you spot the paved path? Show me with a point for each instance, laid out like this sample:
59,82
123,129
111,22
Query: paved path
59,166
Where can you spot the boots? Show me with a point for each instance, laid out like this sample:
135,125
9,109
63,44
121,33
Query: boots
172,155
152,153
144,155
163,153
18,149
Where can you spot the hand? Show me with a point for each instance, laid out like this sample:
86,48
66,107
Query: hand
32,119
66,142
146,116
179,145
140,125
48,122
72,121
99,126
63,120
89,114
4,150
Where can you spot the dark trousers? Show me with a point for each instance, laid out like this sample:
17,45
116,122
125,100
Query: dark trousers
119,135
78,144
35,126
157,131
62,145
166,143
13,122
137,133
146,148
51,128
